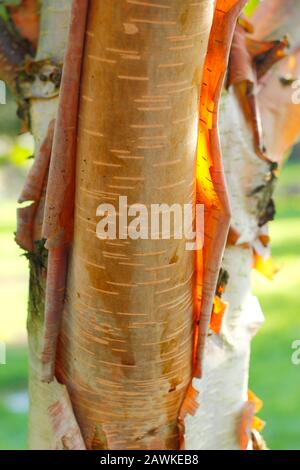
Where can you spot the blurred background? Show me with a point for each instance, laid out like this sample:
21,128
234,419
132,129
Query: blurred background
273,377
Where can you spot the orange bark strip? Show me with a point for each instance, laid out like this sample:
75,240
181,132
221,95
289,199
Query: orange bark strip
26,18
245,425
189,406
249,61
258,424
259,48
33,187
57,228
265,240
55,293
59,206
265,266
219,309
257,401
211,189
266,54
233,238
12,54
67,435
32,191
281,118
240,64
272,17
25,222
245,92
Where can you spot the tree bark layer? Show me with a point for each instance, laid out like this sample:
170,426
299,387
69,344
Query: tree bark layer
125,350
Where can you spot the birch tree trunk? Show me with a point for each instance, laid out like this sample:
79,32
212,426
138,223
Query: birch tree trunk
142,70
132,358
125,347
54,25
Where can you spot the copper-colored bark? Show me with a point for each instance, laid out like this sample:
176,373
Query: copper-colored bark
275,18
245,425
25,223
250,60
55,294
125,350
32,192
211,189
33,187
12,54
281,117
26,19
57,228
59,207
65,428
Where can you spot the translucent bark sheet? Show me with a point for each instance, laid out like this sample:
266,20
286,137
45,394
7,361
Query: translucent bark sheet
211,189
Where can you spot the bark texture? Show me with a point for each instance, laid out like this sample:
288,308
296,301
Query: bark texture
125,350
140,346
54,26
221,420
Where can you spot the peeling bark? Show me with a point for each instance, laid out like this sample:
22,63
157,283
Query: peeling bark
13,52
65,428
142,332
58,216
125,349
211,191
55,15
222,418
26,19
211,184
277,18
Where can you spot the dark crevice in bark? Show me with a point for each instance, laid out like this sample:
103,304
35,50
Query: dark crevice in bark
38,269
